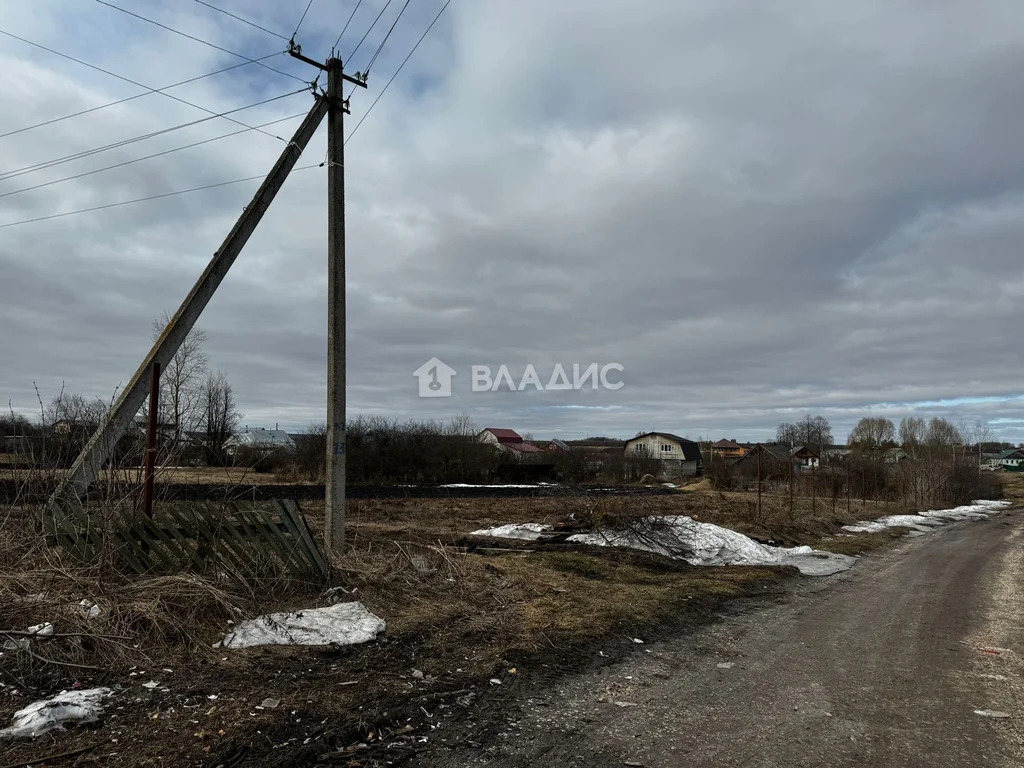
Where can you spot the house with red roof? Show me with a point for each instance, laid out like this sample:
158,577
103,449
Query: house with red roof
508,441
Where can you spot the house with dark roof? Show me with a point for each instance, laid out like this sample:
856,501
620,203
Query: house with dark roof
835,454
776,458
728,449
895,455
1011,459
672,456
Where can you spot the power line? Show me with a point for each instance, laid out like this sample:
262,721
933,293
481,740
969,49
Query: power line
136,96
147,157
145,199
384,41
196,39
400,66
244,21
95,151
349,57
302,19
134,82
351,16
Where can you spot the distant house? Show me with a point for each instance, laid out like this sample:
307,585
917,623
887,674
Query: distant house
804,456
834,454
676,456
259,440
728,449
73,428
778,457
558,445
895,455
1011,459
508,441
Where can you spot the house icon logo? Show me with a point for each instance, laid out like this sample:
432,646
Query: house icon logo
435,378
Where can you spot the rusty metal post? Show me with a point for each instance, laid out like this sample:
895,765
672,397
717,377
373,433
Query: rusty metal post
759,483
151,442
814,493
791,511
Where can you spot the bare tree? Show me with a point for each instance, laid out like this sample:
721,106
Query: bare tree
942,433
788,434
220,416
813,431
70,419
912,434
183,381
873,434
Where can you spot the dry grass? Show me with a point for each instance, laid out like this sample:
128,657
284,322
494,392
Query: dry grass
859,543
1012,485
139,617
186,475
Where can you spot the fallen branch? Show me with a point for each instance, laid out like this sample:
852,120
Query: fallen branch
51,758
37,657
25,633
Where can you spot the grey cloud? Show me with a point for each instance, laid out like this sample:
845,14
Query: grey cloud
759,210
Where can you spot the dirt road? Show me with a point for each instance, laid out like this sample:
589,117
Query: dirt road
881,666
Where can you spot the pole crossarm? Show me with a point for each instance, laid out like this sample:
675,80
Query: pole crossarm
66,500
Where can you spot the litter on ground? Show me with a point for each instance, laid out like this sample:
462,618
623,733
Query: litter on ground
66,708
340,624
992,713
46,629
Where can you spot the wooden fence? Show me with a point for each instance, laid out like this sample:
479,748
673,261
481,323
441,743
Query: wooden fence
264,539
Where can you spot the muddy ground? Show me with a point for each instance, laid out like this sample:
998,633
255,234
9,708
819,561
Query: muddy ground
465,627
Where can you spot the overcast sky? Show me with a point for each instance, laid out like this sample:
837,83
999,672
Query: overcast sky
759,209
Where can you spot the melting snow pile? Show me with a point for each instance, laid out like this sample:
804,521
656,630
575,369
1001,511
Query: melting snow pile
528,531
696,543
930,519
67,707
341,624
472,485
707,544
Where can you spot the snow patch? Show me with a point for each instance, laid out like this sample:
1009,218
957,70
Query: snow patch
340,624
930,519
528,531
708,544
471,485
67,707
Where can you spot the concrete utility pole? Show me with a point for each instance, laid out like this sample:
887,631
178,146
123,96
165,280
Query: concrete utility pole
334,504
66,501
334,507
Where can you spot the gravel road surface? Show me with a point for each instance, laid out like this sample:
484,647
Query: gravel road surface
884,665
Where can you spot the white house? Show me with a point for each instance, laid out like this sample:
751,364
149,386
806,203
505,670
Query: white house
1011,458
677,456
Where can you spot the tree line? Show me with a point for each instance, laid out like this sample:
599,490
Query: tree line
197,414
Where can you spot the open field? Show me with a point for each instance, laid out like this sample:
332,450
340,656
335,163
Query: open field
460,615
201,475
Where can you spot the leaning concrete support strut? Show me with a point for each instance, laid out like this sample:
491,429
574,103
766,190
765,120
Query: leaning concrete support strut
66,501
